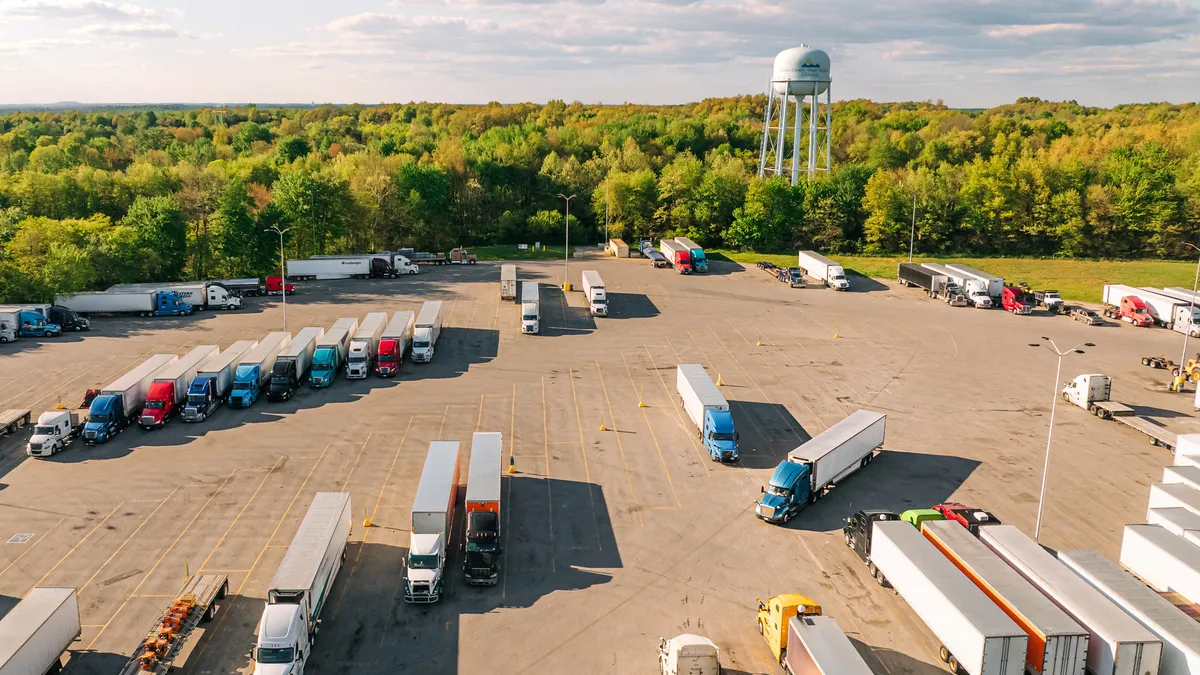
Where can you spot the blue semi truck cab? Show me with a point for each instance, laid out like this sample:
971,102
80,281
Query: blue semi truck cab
719,437
708,410
246,388
33,324
106,418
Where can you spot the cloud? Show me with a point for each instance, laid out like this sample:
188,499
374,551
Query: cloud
74,9
131,30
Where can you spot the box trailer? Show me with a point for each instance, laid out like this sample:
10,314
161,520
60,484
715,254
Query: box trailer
1164,560
817,646
426,331
531,308
1180,315
679,257
1117,644
1174,495
935,285
35,633
169,389
508,282
291,366
995,284
617,248
332,350
974,290
1126,304
1181,522
1188,475
253,371
708,410
121,402
214,381
975,634
1178,632
349,267
593,290
393,343
698,259
140,303
822,462
199,294
481,562
819,267
432,526
1058,645
364,346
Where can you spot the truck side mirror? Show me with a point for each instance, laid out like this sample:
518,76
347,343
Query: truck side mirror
762,489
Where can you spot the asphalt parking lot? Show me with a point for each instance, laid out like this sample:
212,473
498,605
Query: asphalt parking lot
613,537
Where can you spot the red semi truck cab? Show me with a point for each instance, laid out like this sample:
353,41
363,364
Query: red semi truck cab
1014,300
160,405
1133,309
275,286
683,262
967,516
387,359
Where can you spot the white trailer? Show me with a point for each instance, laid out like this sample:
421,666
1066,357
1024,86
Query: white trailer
1187,449
818,266
426,331
1057,644
364,346
975,634
817,646
531,308
1178,521
841,449
256,365
432,523
36,632
213,381
593,290
508,282
1179,314
206,294
679,256
975,290
394,342
301,585
1164,560
133,386
1117,644
1187,314
1179,633
293,363
329,268
141,303
1188,475
1174,496
995,284
708,410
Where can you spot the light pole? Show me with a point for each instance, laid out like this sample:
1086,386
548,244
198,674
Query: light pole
282,269
1037,528
567,243
912,235
1188,332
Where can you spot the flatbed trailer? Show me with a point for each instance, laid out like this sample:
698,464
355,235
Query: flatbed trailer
196,603
1092,392
13,419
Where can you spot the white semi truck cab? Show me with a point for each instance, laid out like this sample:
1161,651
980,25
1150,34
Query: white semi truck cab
53,431
531,311
283,643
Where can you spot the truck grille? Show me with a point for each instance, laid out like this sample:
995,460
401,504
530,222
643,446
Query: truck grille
765,511
147,421
35,446
421,594
89,435
481,576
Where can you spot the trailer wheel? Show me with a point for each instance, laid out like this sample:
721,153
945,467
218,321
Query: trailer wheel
224,590
953,663
209,613
943,653
849,540
873,570
761,631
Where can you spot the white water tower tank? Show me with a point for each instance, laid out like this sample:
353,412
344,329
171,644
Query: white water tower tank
796,70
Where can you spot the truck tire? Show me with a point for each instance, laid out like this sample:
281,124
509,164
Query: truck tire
943,653
952,662
849,539
761,631
873,570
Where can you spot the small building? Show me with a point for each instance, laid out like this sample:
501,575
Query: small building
617,248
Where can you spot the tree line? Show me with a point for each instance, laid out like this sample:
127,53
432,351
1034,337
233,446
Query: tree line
92,198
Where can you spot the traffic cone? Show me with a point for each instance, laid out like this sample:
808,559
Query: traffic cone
837,333
760,343
366,518
720,382
602,427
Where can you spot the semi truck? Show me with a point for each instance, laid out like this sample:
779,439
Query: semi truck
164,647
393,343
774,616
678,256
120,403
213,382
1165,561
531,308
708,410
698,259
508,282
54,429
332,350
817,646
200,294
968,516
141,303
432,524
827,271
276,286
1057,644
1017,300
1123,303
169,389
243,287
8,325
974,290
1180,314
858,531
253,371
481,562
341,267
1117,644
825,460
1174,496
291,366
593,290
1093,393
364,346
995,284
935,285
688,654
976,635
426,331
64,317
38,630
300,588
1178,632
22,321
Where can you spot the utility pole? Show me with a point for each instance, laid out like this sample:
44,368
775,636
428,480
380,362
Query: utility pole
567,253
282,270
913,233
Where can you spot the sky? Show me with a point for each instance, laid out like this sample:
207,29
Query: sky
968,53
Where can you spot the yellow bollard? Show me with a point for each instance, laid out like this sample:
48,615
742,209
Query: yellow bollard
641,402
366,518
602,427
512,467
187,572
720,382
837,333
760,343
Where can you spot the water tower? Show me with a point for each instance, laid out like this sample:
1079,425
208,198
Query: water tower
801,74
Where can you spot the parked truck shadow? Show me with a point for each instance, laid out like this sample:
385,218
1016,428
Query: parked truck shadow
90,662
766,433
884,660
457,350
7,602
896,480
631,306
860,283
560,318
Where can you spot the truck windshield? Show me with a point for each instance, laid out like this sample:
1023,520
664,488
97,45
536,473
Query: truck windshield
273,655
155,405
423,562
778,491
241,385
529,317
386,358
357,359
481,543
97,419
722,437
196,400
420,344
43,431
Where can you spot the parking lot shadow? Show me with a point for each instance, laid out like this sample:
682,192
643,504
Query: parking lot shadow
631,306
766,433
884,660
7,602
90,662
863,284
560,318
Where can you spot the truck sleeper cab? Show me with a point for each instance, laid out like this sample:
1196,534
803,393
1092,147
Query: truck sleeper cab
774,616
858,531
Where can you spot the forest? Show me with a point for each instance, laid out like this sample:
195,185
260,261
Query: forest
95,197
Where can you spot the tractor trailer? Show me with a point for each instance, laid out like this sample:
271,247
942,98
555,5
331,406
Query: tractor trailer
214,380
331,352
199,294
679,257
120,403
432,524
426,331
291,366
708,410
393,343
35,633
508,282
974,290
1124,303
935,285
364,346
481,562
818,266
823,461
817,646
140,303
253,371
698,260
169,389
995,284
531,308
593,290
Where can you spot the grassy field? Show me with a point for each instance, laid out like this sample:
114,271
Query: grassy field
511,252
1074,279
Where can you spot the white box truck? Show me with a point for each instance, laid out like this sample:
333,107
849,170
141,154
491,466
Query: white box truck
1164,560
432,524
827,271
364,346
35,633
708,410
1057,643
995,284
1179,633
531,308
292,364
975,634
593,290
508,282
426,331
1117,644
823,461
817,646
301,585
974,290
393,343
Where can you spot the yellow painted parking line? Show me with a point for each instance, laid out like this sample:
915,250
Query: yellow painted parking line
76,546
653,437
620,446
239,514
127,539
17,559
549,489
678,411
583,451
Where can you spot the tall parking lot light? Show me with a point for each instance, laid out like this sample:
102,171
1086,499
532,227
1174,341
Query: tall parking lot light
282,270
